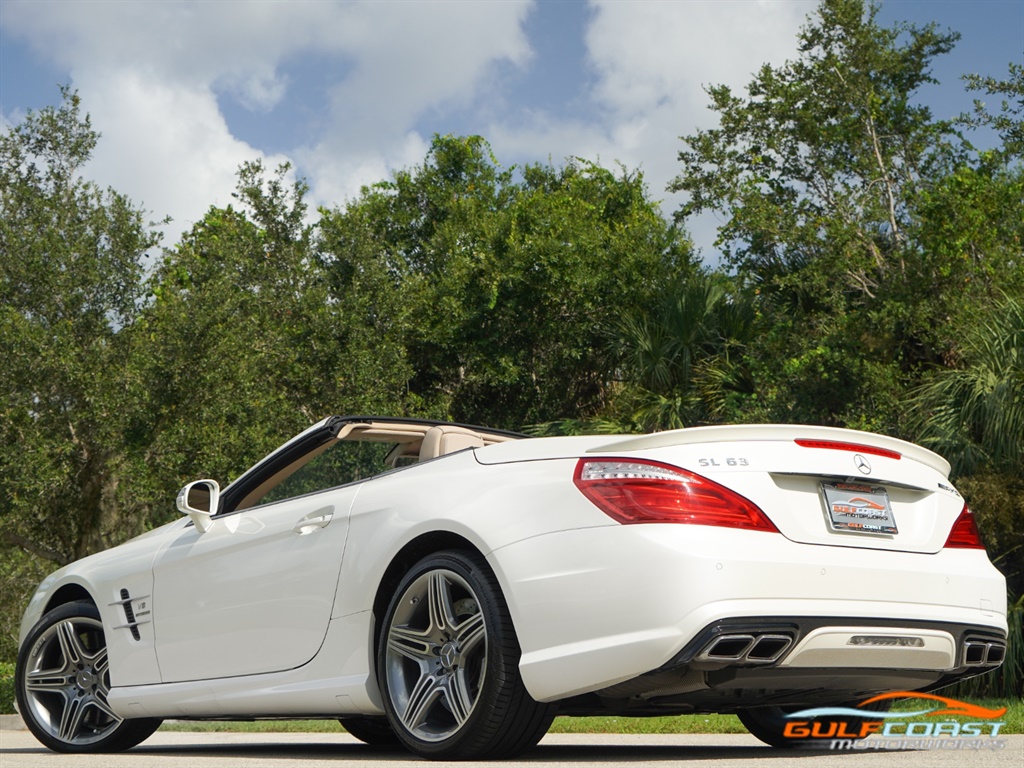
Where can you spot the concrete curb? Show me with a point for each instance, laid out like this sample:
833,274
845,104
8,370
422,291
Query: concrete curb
12,723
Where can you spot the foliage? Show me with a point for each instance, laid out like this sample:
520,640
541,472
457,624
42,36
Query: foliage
20,574
1009,122
867,229
681,356
818,166
6,688
975,413
71,260
496,284
244,345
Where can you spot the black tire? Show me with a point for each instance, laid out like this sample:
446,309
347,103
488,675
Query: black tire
768,724
374,731
448,665
61,684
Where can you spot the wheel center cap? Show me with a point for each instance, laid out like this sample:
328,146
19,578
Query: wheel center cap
449,655
85,679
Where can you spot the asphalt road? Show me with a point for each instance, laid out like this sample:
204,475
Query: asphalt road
18,749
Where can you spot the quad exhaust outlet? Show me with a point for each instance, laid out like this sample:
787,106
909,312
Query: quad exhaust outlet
746,648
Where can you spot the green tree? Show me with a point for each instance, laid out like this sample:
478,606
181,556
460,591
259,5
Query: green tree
817,167
681,359
245,346
71,265
501,280
975,413
1009,121
865,226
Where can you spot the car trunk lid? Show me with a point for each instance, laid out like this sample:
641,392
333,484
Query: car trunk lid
819,485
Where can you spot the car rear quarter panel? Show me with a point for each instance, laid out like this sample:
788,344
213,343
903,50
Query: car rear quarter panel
489,506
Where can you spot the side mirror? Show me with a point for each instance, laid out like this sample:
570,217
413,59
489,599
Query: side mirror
199,501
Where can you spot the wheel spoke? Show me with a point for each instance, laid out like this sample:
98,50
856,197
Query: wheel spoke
410,643
460,702
71,719
53,680
421,698
70,644
439,600
470,632
99,700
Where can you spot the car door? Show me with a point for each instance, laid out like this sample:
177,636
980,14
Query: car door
254,592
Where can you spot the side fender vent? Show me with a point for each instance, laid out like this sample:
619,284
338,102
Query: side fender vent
131,621
129,614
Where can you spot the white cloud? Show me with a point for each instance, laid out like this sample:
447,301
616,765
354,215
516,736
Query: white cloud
169,165
432,56
149,74
650,63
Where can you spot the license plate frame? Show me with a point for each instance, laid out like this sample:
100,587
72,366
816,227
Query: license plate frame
852,507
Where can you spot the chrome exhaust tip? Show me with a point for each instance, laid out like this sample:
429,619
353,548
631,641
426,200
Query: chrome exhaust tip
746,648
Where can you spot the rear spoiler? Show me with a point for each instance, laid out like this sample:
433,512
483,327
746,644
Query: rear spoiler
775,433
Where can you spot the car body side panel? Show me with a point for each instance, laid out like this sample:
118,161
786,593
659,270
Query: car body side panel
254,593
103,576
490,506
333,684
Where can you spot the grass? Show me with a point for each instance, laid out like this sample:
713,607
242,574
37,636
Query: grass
6,688
687,724
1014,719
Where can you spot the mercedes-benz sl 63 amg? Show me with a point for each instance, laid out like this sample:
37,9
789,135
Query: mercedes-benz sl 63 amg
453,588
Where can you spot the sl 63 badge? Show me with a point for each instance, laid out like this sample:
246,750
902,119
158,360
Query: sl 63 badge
724,462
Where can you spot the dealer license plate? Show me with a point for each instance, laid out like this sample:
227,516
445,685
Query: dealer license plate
858,508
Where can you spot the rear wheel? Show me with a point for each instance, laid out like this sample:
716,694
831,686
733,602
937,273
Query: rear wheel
448,664
62,682
769,723
370,730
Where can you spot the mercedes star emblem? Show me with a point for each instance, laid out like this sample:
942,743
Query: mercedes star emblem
862,464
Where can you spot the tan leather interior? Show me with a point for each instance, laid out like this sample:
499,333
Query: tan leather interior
439,441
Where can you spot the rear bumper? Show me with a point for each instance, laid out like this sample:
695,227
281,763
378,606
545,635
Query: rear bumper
613,603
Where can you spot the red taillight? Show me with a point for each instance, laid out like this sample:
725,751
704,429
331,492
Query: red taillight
836,445
633,491
965,532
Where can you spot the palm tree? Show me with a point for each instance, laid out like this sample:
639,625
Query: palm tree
679,359
975,414
675,363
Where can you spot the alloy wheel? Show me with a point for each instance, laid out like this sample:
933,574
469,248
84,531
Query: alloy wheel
67,682
436,655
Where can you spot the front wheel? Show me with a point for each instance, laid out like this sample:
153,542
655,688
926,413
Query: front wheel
62,682
448,664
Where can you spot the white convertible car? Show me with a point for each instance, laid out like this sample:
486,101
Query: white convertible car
475,583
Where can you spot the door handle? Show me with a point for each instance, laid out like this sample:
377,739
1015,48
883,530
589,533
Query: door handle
311,522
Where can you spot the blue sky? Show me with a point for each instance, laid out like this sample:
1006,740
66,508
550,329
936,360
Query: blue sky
184,92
